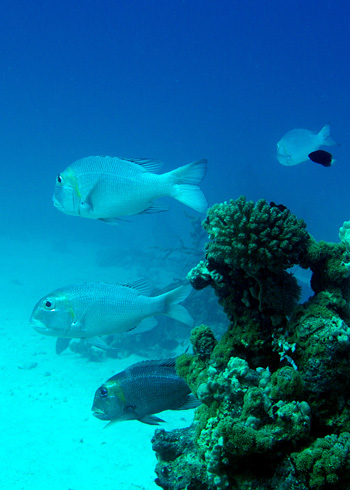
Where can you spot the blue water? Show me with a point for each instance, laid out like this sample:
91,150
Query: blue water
176,81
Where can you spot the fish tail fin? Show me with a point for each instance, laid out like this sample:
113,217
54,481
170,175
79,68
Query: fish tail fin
185,181
172,307
326,139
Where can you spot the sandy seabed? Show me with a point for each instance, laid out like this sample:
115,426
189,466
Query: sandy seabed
49,437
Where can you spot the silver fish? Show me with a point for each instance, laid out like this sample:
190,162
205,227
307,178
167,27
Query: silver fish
297,144
142,390
105,188
89,310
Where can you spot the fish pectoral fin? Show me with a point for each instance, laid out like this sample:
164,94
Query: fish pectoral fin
95,195
191,402
111,422
155,208
151,420
113,221
79,323
130,413
100,343
61,345
144,326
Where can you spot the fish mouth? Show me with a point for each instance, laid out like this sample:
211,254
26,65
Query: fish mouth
99,414
56,203
39,326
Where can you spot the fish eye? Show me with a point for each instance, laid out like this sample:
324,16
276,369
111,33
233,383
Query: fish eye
49,304
59,179
103,392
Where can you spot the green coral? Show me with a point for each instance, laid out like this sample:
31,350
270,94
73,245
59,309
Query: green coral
250,249
191,368
242,419
255,236
326,462
287,384
330,266
203,341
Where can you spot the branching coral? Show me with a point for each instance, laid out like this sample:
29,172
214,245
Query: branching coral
251,247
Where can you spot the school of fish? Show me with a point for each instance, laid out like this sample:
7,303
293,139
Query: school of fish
106,188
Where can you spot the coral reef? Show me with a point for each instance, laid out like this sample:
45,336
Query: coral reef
275,410
247,260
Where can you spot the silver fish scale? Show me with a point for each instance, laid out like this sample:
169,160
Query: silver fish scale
108,305
112,165
118,177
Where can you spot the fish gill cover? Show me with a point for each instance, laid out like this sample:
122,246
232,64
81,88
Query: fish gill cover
274,388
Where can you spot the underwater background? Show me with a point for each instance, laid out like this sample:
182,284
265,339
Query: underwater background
175,81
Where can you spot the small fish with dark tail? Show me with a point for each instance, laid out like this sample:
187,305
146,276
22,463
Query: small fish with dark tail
296,145
143,389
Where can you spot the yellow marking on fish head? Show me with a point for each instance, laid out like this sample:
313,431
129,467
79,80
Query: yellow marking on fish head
69,177
114,389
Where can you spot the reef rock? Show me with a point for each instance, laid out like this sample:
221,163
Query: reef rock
275,388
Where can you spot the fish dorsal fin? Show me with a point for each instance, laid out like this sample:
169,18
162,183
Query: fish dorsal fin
325,138
147,164
169,362
141,286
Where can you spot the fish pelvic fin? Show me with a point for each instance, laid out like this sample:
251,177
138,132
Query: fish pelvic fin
325,137
172,307
61,345
100,343
185,182
151,420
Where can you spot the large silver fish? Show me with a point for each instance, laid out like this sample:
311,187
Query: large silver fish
105,188
297,144
89,310
142,390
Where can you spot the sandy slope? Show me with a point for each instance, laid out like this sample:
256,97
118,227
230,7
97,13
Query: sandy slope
49,438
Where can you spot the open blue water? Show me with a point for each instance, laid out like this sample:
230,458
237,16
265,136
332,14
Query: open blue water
172,80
